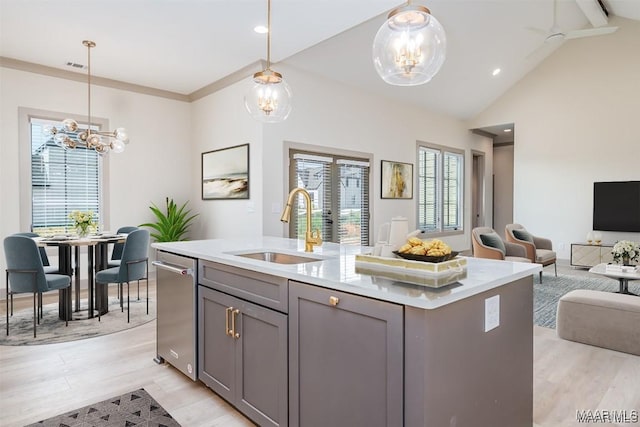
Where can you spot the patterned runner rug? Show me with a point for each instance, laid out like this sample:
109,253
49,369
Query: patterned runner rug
136,408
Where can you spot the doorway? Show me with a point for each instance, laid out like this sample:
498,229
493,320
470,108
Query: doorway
478,189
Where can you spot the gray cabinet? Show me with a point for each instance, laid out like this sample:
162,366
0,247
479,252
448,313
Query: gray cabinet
345,359
243,355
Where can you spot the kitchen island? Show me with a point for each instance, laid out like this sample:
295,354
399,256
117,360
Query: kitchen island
316,343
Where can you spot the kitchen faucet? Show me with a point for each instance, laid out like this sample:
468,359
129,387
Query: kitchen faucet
311,238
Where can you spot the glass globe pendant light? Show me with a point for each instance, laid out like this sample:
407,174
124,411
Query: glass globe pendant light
269,98
70,135
410,47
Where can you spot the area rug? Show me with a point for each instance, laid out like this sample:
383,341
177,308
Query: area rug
136,408
547,294
52,330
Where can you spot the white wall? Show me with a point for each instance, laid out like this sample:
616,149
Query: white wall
219,121
157,162
576,119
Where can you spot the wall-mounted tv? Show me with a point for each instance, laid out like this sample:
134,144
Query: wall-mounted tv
616,206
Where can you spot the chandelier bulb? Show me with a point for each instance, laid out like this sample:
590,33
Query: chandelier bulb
49,130
117,146
69,143
70,125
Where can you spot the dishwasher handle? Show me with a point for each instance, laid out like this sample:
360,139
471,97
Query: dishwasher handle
172,268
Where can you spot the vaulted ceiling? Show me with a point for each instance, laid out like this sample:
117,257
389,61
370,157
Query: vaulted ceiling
184,45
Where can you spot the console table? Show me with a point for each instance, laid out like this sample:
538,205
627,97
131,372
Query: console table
589,255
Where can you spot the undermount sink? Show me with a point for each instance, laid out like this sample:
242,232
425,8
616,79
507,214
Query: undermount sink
279,257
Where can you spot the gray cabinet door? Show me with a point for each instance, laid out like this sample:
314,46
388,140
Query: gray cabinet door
247,367
261,365
216,349
345,359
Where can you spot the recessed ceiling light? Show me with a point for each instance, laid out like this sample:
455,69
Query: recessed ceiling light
496,72
261,29
507,130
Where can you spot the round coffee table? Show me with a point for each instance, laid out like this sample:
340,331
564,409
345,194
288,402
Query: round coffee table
623,277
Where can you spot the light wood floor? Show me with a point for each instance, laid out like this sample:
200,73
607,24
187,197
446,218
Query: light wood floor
37,382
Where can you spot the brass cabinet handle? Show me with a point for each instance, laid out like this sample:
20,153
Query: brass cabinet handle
226,320
334,300
233,323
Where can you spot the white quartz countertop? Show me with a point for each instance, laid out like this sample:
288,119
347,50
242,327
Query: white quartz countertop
335,269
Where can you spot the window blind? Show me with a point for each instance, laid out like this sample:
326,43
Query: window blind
61,181
440,189
452,191
428,189
354,203
313,173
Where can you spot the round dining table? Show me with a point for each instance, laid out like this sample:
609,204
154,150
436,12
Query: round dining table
97,259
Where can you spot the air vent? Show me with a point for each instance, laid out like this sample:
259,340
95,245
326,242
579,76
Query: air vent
76,65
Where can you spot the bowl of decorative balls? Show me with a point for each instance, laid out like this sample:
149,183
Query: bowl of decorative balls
426,250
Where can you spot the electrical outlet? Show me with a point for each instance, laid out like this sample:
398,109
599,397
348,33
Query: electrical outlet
491,313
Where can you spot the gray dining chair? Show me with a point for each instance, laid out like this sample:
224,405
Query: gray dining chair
134,265
48,268
25,274
116,254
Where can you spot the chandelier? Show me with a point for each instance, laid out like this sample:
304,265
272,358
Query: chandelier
269,99
410,46
70,135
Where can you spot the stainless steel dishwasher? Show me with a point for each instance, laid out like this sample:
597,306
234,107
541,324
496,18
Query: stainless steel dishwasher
176,338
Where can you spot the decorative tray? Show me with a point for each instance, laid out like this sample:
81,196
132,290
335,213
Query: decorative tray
423,273
414,277
426,258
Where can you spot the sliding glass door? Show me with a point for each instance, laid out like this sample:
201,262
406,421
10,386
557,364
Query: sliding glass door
339,190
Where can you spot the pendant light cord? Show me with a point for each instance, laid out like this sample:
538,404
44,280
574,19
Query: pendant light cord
268,34
89,89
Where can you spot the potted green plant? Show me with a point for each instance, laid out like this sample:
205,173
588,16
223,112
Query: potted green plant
172,225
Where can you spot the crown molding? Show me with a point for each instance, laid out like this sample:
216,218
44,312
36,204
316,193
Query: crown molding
98,81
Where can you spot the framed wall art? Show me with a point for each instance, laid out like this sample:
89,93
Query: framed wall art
397,180
225,173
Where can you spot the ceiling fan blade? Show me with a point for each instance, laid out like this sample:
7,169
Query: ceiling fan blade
576,34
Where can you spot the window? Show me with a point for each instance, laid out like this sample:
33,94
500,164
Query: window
440,189
61,181
332,181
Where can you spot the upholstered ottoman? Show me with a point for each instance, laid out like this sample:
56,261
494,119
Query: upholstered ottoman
603,319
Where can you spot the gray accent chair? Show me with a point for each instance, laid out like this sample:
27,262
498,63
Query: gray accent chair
488,244
48,268
134,265
539,249
25,274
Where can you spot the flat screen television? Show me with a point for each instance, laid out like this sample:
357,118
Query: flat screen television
616,206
